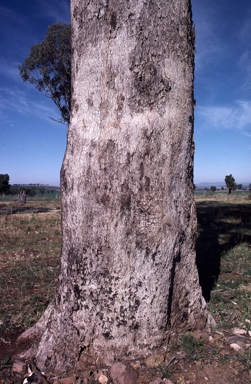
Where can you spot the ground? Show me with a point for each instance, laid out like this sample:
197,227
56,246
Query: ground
30,240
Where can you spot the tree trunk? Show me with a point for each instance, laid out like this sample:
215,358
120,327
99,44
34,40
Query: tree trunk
128,274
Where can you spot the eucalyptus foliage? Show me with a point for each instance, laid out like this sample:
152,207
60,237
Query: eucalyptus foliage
48,67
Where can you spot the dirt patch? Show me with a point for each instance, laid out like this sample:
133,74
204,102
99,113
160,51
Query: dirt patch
9,347
216,364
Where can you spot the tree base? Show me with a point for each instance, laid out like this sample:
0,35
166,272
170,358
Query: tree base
65,355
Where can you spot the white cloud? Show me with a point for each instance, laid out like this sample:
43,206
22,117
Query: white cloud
237,117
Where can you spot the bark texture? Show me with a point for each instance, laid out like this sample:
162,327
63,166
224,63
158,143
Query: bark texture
128,273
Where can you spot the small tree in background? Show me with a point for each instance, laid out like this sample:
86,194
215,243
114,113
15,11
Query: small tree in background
230,183
48,68
4,184
213,188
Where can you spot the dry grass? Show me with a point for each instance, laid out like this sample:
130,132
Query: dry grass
29,261
29,258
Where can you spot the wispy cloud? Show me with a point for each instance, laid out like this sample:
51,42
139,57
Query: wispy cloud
245,30
14,101
207,48
9,69
18,33
10,16
208,44
237,117
245,70
58,10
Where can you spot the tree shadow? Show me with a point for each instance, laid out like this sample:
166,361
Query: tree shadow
220,228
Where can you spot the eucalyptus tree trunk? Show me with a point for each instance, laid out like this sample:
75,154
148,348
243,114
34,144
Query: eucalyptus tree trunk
128,273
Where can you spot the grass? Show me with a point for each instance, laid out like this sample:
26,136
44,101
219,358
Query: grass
29,259
224,261
233,308
30,244
193,348
224,237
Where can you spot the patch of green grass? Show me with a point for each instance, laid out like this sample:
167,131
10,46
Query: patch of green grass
246,361
193,348
4,363
28,288
231,307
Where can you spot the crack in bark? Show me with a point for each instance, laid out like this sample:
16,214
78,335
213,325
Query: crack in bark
176,260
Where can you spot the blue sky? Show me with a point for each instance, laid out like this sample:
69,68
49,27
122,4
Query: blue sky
32,145
222,90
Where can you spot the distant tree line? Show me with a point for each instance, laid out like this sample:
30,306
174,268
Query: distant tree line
231,185
7,189
29,189
31,192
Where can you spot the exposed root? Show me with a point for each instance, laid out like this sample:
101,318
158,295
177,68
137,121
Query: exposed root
33,335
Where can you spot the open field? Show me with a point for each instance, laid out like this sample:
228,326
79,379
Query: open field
30,242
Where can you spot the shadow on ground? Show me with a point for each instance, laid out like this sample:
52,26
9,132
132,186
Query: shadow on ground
220,228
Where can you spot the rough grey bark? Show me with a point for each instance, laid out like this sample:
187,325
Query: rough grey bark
128,274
